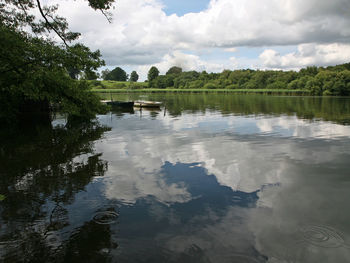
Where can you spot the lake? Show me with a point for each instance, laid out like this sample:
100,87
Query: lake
206,178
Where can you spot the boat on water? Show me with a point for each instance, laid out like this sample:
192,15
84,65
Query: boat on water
147,104
118,103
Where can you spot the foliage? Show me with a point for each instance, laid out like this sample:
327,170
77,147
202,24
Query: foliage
162,82
181,80
90,75
210,85
117,74
152,73
327,82
196,90
51,156
112,85
232,86
134,76
311,80
37,72
174,70
104,73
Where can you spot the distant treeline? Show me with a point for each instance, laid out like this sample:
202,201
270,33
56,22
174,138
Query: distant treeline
332,80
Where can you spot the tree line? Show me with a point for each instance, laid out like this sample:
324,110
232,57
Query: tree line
332,80
118,74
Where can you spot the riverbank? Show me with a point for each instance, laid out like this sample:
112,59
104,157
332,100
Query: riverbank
241,91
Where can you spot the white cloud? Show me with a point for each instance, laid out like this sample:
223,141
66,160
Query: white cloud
303,129
136,159
295,175
142,33
232,49
186,61
307,55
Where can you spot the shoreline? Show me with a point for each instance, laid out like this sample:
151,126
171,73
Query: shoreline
239,91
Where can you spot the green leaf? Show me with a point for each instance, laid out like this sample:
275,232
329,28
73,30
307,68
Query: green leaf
2,197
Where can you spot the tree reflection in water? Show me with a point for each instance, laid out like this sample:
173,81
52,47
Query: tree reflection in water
42,170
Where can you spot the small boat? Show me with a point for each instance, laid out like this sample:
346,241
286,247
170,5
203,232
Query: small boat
147,104
118,103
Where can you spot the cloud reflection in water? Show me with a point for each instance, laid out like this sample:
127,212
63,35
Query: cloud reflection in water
152,171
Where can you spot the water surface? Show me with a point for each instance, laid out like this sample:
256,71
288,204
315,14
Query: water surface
207,178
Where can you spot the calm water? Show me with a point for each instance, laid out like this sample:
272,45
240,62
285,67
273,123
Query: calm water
207,178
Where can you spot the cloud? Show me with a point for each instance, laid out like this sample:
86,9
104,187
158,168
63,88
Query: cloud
302,129
307,55
232,49
186,61
135,159
292,161
142,33
309,198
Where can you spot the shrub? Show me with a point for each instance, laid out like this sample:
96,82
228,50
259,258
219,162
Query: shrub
95,83
210,85
327,93
119,85
277,85
232,86
293,84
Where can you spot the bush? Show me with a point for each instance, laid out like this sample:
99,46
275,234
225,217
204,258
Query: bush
162,82
277,85
95,83
135,85
232,86
210,86
249,85
120,85
327,93
196,84
293,84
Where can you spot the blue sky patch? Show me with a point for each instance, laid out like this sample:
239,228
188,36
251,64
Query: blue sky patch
181,7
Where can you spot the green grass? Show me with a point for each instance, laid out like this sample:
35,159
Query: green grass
2,197
111,84
149,90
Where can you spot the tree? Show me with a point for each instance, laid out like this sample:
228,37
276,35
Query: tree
91,75
309,71
174,70
153,73
162,82
37,71
59,148
117,74
134,76
104,73
73,72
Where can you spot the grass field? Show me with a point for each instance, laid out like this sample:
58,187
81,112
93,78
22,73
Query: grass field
111,84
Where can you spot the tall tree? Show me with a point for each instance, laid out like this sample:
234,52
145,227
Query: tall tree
134,76
174,70
73,72
91,75
104,73
117,74
152,73
35,70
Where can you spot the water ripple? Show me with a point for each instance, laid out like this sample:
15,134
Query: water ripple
322,236
105,218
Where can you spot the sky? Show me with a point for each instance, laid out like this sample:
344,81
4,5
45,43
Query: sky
214,35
